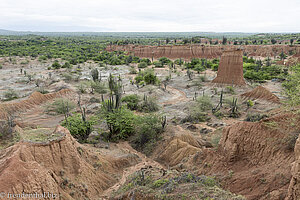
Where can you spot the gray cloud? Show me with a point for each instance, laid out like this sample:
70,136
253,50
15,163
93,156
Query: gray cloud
155,15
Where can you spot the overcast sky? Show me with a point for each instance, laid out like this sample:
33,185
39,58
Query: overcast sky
151,15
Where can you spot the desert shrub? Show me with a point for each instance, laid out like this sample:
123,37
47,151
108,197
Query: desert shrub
142,65
147,76
218,114
229,89
1,66
78,128
164,60
216,137
145,60
6,128
195,115
131,101
66,65
42,58
82,87
250,103
199,68
148,129
10,94
254,117
42,90
148,105
56,65
132,70
204,103
215,67
95,74
60,106
119,121
67,76
150,77
179,62
158,64
203,78
292,86
98,87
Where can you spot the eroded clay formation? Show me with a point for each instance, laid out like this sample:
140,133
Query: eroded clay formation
231,68
261,93
201,51
35,98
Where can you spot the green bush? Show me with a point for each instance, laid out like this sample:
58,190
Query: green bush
179,62
120,122
148,129
131,101
148,76
1,66
78,128
60,106
196,112
158,64
142,65
42,58
148,105
66,65
145,60
292,86
199,68
218,114
56,65
204,103
250,103
164,60
67,76
215,67
132,70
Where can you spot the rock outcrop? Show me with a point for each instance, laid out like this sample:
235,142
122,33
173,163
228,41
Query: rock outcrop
230,69
200,51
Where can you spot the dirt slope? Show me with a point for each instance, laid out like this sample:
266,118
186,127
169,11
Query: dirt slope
63,167
253,159
294,187
34,99
261,93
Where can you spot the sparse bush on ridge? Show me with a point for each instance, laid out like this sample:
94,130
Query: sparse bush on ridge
10,94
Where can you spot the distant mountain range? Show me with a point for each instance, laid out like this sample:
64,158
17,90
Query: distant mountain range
136,34
130,34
